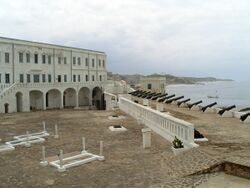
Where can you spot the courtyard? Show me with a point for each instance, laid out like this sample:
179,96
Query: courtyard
126,163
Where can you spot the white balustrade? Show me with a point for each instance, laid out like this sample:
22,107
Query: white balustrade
163,124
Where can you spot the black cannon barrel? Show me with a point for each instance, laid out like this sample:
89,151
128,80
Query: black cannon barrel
244,116
159,96
226,109
132,92
174,99
137,93
167,97
156,94
208,106
195,103
148,95
145,94
183,101
142,93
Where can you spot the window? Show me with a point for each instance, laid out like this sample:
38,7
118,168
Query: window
59,60
44,78
59,78
28,78
99,62
87,78
79,78
36,78
74,60
74,78
49,78
86,62
149,86
20,57
103,63
44,59
21,78
36,58
7,78
7,57
65,78
93,62
100,77
65,60
27,57
79,61
49,59
93,78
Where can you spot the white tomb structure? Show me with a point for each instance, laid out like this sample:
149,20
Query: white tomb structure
65,161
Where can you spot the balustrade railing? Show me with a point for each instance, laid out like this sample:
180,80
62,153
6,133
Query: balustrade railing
163,124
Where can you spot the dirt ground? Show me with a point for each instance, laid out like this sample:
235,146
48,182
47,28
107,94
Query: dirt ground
126,163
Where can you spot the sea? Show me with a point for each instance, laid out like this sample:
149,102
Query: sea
228,93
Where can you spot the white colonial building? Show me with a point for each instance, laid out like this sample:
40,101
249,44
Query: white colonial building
40,76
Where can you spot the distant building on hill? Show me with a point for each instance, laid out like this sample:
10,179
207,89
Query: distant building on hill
154,83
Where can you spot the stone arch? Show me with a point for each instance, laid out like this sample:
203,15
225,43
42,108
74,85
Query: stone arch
97,98
36,100
19,101
6,108
84,96
69,97
53,99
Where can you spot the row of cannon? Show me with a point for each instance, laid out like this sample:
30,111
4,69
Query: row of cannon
180,101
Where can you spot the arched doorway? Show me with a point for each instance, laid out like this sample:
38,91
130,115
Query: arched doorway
6,108
19,102
53,99
69,98
36,100
84,96
97,100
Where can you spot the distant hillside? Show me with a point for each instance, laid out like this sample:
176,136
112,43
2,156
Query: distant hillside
135,78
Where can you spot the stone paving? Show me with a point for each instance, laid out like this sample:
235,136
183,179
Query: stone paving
127,164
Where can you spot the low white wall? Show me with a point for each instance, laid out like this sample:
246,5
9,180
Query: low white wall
165,125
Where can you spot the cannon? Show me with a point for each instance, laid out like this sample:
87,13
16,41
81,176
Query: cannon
150,96
197,134
183,101
208,106
143,93
167,97
137,93
134,92
193,104
159,96
244,116
174,99
146,95
226,109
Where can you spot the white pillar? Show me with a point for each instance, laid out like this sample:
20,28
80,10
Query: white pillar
44,101
56,131
61,104
43,162
27,143
61,167
77,102
146,137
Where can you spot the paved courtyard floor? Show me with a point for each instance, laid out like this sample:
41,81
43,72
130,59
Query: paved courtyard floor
126,163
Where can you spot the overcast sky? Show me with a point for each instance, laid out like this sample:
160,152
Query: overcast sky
180,37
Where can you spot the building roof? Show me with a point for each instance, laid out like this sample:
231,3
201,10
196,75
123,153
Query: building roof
49,44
